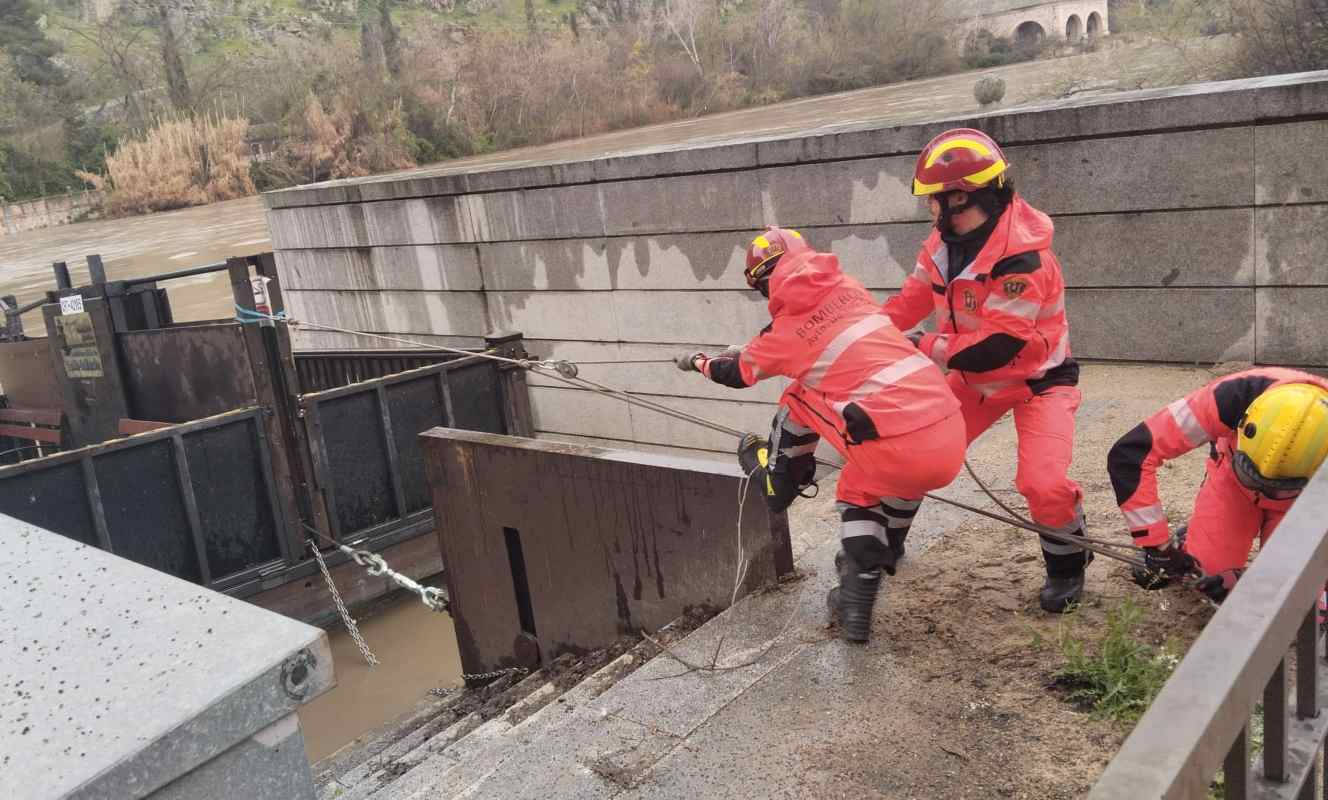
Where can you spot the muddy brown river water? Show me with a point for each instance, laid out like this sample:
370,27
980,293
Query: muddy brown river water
417,650
138,246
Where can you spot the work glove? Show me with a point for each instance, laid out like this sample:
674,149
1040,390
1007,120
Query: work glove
687,361
915,337
753,453
1163,564
1218,586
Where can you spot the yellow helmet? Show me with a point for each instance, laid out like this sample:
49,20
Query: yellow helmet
1283,438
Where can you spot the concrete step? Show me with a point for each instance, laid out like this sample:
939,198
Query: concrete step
475,757
350,764
443,727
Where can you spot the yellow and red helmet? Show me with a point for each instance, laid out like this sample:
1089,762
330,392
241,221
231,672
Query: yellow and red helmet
962,159
765,250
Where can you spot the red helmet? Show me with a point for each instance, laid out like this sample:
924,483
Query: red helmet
765,250
960,159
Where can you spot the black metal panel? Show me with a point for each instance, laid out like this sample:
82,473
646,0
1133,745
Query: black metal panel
54,499
183,374
320,370
477,398
145,514
415,407
226,471
357,459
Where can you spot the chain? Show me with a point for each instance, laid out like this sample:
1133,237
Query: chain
443,691
434,598
346,618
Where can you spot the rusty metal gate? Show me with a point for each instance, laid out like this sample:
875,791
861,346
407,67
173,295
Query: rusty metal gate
267,448
364,439
195,500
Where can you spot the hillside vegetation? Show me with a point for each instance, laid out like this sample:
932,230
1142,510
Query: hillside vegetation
129,94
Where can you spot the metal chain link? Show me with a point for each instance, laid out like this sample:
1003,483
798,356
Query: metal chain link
346,618
433,597
443,691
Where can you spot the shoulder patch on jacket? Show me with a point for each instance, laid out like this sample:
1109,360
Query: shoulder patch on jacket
1013,287
1021,264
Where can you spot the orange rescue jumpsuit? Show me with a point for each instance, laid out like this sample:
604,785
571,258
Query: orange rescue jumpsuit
1002,334
861,385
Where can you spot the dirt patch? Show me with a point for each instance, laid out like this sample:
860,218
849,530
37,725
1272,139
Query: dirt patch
979,713
967,620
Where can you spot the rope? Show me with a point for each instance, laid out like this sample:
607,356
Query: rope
558,371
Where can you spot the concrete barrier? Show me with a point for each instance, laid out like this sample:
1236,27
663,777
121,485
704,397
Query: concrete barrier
588,544
1189,222
119,681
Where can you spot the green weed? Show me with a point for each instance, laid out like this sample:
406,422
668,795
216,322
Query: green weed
1117,677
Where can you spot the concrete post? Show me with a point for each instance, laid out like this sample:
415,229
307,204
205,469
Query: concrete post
136,684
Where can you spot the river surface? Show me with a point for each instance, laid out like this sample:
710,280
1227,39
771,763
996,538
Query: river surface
137,246
417,652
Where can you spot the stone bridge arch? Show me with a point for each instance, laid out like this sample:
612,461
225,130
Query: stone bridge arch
1059,20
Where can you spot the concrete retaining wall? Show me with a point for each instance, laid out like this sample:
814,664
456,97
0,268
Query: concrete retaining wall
1189,222
46,212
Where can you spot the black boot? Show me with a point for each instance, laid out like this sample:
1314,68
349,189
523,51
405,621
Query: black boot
1065,582
853,599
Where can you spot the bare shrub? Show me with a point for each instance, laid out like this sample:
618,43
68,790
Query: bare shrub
989,90
1282,35
177,162
348,139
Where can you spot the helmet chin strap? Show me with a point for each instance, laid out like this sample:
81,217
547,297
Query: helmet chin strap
944,222
991,199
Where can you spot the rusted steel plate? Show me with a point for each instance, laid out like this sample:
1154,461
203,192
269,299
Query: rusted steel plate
573,546
183,374
25,374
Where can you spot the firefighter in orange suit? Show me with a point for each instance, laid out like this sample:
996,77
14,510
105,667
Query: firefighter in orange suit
988,276
1267,433
860,385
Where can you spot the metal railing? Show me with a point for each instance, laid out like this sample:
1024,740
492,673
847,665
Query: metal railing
1200,722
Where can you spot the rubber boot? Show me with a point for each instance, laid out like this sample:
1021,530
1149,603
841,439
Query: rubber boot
852,601
1062,592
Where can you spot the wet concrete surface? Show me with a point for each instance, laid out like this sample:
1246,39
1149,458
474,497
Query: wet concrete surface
417,652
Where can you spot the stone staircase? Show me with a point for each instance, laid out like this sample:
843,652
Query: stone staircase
447,745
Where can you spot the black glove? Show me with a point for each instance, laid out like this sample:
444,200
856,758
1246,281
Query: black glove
1163,564
753,453
1218,586
687,361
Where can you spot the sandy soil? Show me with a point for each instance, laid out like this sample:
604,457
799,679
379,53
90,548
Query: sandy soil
976,656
